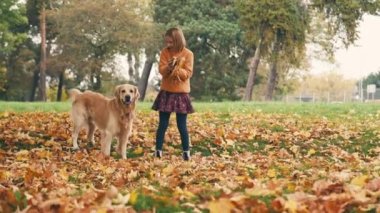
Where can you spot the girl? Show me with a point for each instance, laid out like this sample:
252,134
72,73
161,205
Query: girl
176,68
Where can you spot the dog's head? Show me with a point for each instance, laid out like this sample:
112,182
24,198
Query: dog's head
127,94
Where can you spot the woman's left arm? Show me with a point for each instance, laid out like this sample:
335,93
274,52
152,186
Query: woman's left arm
186,71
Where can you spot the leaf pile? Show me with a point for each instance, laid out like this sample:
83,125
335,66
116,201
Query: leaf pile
257,162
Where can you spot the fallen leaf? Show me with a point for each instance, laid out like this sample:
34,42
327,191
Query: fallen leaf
138,151
220,206
360,180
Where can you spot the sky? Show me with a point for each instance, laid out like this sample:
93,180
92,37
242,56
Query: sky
360,59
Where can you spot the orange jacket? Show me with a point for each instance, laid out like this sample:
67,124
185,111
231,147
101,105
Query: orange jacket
178,82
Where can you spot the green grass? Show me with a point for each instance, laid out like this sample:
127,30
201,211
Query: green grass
146,202
323,109
302,109
34,106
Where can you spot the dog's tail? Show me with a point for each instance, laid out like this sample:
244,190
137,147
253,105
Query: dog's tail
73,93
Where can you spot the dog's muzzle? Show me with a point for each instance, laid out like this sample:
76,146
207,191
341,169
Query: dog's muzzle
127,100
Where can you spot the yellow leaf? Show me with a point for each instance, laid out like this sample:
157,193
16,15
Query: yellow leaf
109,170
52,143
42,153
22,155
291,206
184,192
63,173
220,206
240,178
133,198
220,132
310,152
360,181
188,194
101,210
291,187
257,191
150,174
5,114
168,170
4,175
271,173
138,151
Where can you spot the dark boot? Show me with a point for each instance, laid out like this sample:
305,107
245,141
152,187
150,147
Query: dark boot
158,154
186,155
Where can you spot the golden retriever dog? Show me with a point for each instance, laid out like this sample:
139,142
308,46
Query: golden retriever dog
112,116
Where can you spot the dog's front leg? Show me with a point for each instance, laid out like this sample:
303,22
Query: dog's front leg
106,143
122,146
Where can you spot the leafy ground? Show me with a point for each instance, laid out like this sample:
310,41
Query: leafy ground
246,158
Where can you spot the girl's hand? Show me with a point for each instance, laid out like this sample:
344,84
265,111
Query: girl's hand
174,72
175,75
172,63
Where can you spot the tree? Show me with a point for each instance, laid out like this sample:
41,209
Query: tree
21,67
372,78
264,23
42,81
254,30
336,22
88,41
36,11
291,25
13,27
272,28
343,16
329,86
143,82
3,78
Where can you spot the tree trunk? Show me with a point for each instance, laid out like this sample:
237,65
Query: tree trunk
34,85
42,81
98,83
272,79
143,82
136,68
131,70
60,85
254,64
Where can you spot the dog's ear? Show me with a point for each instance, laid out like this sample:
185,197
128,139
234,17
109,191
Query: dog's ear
117,91
137,93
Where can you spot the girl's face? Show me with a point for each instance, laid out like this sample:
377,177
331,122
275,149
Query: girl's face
169,42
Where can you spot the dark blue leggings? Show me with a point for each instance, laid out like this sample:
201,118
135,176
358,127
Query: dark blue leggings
163,126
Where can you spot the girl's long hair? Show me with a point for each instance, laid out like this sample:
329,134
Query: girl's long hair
179,41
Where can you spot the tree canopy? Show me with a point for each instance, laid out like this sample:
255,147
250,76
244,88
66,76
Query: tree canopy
89,40
13,32
13,25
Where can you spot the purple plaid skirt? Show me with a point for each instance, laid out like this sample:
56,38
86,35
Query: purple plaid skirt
173,102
